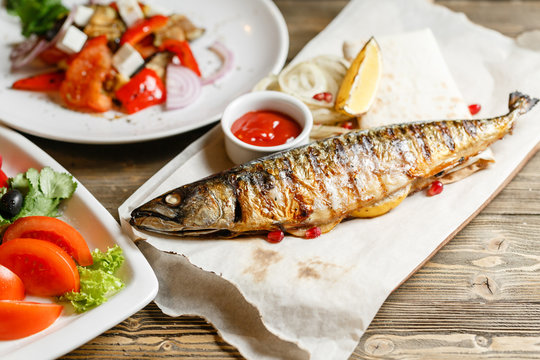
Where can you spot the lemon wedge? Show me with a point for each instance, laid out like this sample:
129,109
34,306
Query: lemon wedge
359,87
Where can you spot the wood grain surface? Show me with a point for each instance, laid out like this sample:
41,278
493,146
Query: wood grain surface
478,297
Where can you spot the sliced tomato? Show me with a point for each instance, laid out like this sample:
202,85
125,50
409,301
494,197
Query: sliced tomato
11,286
54,230
83,87
19,319
3,179
44,268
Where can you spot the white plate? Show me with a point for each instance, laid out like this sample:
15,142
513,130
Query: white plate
100,230
254,31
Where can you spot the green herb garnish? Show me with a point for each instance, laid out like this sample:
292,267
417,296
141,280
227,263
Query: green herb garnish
37,16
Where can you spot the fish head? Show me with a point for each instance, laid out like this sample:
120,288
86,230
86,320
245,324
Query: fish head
191,210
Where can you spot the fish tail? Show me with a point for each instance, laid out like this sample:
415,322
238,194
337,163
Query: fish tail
522,102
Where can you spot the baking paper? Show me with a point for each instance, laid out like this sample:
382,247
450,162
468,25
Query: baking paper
315,298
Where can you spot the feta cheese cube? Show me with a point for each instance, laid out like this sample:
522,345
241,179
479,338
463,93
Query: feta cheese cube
83,15
126,60
130,11
72,41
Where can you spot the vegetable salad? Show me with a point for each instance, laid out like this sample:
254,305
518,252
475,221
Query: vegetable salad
41,255
123,55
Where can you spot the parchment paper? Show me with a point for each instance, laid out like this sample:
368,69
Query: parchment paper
315,298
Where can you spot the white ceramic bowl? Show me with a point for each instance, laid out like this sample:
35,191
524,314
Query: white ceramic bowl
240,152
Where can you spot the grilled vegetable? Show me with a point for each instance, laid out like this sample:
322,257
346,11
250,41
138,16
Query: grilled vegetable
322,183
50,81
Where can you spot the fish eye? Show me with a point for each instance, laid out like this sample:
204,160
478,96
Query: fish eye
173,199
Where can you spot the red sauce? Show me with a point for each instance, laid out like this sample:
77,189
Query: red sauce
265,128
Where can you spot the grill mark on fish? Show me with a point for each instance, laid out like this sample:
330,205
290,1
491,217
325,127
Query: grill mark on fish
348,164
470,128
446,135
420,139
302,210
371,150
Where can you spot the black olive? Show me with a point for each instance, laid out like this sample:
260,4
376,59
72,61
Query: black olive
11,203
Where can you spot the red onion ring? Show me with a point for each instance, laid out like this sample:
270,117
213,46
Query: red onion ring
24,47
183,86
22,59
24,53
227,58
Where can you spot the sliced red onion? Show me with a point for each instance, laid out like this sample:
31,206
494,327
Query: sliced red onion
183,86
24,53
227,58
23,48
22,59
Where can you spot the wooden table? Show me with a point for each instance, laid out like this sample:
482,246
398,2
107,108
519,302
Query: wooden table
478,296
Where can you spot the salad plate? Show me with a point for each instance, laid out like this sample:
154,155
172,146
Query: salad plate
100,230
254,31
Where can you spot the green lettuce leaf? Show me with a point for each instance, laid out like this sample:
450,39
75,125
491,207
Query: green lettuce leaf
98,281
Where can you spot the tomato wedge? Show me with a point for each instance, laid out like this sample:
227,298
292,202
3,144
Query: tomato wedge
19,319
44,268
54,230
3,179
11,286
83,87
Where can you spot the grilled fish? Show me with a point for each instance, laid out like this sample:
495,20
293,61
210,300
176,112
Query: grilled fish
361,173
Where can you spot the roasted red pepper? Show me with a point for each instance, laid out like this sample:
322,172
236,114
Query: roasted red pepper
183,51
42,82
146,47
83,87
142,28
143,90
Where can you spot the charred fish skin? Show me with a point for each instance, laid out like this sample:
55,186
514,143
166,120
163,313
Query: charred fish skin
322,183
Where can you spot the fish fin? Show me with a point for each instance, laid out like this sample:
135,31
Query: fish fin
521,101
383,206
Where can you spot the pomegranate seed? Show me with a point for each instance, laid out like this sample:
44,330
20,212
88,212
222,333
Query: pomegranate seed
326,96
347,125
435,188
313,232
474,109
275,236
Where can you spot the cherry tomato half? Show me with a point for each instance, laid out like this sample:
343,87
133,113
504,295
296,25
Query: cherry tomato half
54,230
19,319
11,286
44,268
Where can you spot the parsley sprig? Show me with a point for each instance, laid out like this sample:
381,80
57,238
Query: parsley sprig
37,16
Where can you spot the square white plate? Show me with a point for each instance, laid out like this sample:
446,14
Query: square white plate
101,231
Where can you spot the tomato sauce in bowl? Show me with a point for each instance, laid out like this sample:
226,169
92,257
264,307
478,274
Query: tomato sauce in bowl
266,128
261,123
